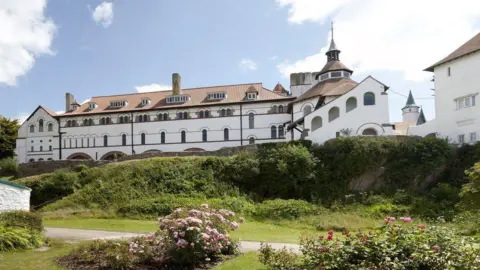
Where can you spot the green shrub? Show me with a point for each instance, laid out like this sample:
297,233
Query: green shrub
289,209
392,247
470,195
16,238
8,166
388,209
21,219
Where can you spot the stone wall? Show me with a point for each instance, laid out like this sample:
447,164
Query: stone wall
41,167
35,168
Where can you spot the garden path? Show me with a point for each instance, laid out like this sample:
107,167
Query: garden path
79,235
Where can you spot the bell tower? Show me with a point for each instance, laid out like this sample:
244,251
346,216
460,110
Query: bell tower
410,111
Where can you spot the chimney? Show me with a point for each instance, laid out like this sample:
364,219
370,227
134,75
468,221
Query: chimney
176,84
68,102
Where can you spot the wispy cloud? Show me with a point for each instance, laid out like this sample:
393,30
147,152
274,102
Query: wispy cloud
153,88
397,35
103,14
248,63
25,34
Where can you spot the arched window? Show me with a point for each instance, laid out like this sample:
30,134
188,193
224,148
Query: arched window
317,123
70,143
69,123
124,139
85,122
280,109
165,116
307,110
102,121
145,118
32,128
126,119
31,160
40,159
204,135
251,140
351,104
185,115
105,141
251,120
50,148
50,127
120,120
229,112
40,125
41,148
32,149
207,114
49,159
107,120
90,122
333,114
281,133
143,138
76,143
275,109
369,132
226,134
74,123
180,115
222,112
200,114
369,99
162,137
273,132
184,136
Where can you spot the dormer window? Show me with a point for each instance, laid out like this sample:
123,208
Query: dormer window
177,99
217,96
145,101
92,106
251,96
118,104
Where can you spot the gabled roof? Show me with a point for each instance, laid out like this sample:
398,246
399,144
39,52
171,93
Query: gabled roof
198,97
331,87
53,114
470,46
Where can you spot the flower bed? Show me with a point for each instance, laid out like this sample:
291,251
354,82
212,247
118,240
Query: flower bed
186,239
395,246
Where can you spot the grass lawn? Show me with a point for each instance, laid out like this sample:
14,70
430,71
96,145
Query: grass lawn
248,231
27,260
245,261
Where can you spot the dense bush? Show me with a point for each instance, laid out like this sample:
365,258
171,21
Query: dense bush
185,238
393,247
21,219
8,166
19,238
289,209
471,191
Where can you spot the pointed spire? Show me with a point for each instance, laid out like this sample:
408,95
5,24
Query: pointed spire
421,118
410,100
333,46
333,53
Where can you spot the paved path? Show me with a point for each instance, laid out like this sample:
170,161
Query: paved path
78,235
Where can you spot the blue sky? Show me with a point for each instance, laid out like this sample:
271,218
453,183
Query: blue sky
126,44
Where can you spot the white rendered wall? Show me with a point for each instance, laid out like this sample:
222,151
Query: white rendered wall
411,114
358,119
464,80
12,198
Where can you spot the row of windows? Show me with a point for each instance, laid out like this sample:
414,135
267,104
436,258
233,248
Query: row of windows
466,102
473,138
351,103
40,159
40,126
32,149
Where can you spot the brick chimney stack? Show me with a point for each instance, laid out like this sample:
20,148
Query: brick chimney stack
69,99
176,84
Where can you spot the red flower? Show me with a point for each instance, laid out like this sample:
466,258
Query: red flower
330,237
412,257
330,232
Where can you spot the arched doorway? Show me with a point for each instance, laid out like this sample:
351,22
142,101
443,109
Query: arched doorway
113,155
79,156
369,132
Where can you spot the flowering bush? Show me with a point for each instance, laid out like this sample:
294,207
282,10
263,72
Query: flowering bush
392,247
186,238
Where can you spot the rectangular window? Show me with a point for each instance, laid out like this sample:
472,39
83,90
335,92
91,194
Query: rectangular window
473,100
336,74
461,139
473,137
449,72
467,102
324,77
252,96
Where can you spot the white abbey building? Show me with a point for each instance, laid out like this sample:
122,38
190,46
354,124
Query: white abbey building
321,106
456,96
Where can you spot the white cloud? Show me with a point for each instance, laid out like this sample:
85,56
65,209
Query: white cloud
249,64
397,35
153,88
85,101
25,34
103,14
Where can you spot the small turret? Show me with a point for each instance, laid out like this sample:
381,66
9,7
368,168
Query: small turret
411,111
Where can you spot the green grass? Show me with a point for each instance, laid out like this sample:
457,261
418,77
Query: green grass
41,260
248,231
245,261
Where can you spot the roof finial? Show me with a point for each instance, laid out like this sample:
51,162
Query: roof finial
332,29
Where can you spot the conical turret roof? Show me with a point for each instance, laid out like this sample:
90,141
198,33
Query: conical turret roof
421,118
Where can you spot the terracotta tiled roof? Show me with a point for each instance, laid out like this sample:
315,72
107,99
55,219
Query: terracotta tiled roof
333,66
331,87
48,111
279,89
198,97
470,46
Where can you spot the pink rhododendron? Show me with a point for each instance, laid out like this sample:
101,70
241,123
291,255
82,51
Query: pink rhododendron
406,219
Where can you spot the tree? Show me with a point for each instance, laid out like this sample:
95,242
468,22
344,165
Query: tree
8,136
471,192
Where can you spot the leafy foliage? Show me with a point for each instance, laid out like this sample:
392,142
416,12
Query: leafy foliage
8,136
471,192
17,238
285,209
8,166
21,219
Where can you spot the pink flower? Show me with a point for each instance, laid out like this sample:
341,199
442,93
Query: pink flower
234,225
241,220
422,227
330,237
205,236
330,232
436,248
389,220
406,219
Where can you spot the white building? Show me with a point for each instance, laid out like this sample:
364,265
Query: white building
456,89
322,105
14,196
